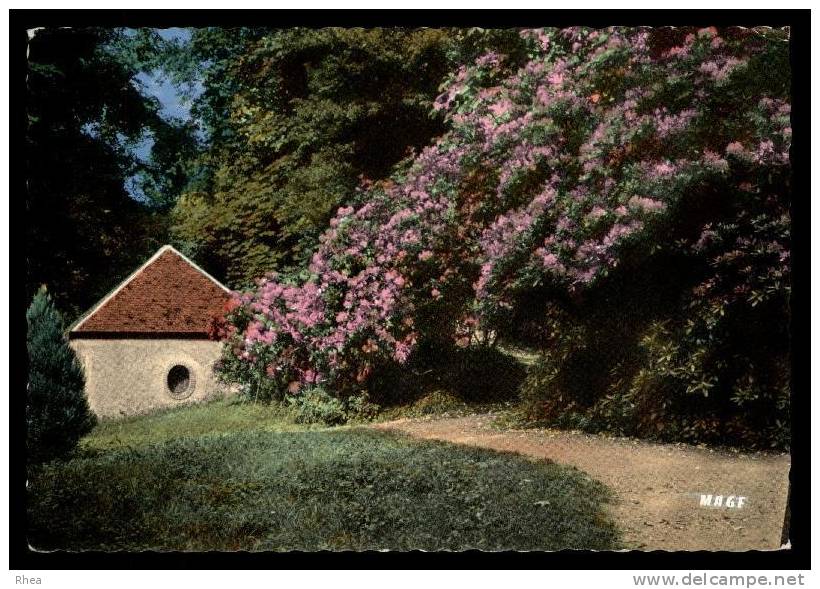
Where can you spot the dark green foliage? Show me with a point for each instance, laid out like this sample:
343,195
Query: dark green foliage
645,356
169,168
359,408
438,403
303,116
676,346
57,413
84,232
344,489
316,405
474,376
208,59
482,374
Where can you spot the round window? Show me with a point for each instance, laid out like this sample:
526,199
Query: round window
180,381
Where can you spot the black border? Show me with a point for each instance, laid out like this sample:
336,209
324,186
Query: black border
798,557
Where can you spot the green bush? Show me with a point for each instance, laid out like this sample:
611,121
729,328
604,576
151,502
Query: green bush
666,383
57,413
438,402
359,408
316,405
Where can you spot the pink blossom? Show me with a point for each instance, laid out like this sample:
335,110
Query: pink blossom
543,40
721,68
680,51
550,260
369,347
402,352
488,59
735,148
556,78
647,204
596,213
669,124
501,108
663,169
713,160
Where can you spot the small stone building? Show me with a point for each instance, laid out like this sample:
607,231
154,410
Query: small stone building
145,346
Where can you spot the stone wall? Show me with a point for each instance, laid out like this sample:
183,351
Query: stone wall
130,376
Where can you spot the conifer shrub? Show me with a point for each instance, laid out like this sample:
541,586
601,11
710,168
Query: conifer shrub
57,412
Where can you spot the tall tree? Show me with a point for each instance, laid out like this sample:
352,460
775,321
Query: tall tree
85,116
296,120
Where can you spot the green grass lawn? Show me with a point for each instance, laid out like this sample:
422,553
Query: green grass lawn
229,476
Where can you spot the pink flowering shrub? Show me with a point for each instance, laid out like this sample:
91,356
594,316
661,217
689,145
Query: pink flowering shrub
602,138
384,274
604,153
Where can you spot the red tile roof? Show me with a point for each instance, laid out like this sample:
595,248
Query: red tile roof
168,295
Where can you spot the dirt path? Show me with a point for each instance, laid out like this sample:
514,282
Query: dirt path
658,486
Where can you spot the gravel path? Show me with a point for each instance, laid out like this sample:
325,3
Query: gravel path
658,486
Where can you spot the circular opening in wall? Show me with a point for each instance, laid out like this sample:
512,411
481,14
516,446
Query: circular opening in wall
180,381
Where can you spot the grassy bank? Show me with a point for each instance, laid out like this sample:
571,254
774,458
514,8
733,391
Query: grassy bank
228,477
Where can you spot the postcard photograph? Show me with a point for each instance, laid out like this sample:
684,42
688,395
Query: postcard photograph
381,288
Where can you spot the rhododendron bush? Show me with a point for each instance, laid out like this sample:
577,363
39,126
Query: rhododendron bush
606,157
383,277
